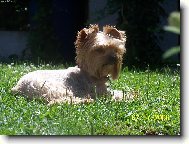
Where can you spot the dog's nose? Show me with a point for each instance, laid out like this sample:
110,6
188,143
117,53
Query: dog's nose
112,59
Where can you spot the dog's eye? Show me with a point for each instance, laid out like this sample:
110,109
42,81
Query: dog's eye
100,50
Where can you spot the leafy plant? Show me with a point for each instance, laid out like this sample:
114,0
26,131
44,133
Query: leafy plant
14,15
174,27
42,39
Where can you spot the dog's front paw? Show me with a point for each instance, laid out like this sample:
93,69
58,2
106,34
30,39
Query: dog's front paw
117,95
125,96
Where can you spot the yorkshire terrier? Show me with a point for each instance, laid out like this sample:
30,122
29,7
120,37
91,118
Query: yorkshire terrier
99,56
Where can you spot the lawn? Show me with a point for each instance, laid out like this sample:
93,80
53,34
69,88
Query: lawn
155,110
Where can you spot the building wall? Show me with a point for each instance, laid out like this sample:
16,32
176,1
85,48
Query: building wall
12,43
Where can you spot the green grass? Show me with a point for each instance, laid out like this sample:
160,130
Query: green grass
156,110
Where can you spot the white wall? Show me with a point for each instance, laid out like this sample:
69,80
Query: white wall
12,42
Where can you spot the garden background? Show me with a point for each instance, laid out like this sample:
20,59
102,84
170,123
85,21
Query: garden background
46,30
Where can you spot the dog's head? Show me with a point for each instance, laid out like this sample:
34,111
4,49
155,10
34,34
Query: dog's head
100,53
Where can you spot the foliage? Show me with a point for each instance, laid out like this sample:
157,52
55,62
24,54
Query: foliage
140,19
42,40
174,27
156,110
14,15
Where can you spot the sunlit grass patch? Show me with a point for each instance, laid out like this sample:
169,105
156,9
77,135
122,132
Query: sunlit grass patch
155,110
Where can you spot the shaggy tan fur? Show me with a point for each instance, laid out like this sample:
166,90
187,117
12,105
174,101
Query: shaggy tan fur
99,54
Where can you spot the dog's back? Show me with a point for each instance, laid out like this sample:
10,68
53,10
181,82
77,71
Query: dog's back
54,84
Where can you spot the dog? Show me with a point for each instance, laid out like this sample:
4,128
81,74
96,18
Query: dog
99,55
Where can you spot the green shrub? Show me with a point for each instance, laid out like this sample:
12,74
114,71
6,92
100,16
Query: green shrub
42,40
174,27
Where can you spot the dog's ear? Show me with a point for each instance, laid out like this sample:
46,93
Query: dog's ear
113,32
86,34
94,28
